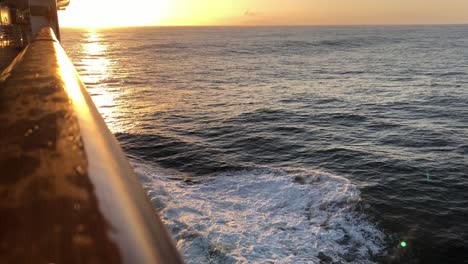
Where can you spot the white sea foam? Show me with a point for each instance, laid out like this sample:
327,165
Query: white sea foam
264,216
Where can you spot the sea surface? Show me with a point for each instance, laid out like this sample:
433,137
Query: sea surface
292,144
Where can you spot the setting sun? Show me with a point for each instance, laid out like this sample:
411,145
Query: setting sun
120,13
113,13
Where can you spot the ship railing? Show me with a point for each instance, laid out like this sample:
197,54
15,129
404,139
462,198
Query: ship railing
68,193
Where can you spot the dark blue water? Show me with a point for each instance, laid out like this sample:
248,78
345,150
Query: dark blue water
334,144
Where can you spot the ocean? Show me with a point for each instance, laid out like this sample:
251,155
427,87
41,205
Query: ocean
292,144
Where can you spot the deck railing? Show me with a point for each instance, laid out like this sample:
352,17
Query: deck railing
67,191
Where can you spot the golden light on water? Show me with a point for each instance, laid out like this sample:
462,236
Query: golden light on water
94,61
96,67
105,76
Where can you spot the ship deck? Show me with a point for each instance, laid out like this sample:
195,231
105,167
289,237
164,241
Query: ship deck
7,55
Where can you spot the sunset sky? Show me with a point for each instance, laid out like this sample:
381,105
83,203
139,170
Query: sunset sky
111,13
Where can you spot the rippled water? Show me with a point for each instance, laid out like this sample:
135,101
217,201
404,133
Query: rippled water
294,144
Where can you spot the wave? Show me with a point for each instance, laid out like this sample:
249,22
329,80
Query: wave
299,46
159,47
264,215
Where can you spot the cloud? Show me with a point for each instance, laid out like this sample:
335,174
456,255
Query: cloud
249,13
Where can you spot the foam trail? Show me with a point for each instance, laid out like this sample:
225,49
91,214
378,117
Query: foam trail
264,215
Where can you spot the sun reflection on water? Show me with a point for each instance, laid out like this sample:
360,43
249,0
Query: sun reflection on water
96,69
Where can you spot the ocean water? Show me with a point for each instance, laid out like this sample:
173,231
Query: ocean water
292,144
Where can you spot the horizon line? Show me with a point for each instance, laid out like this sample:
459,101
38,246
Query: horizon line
272,25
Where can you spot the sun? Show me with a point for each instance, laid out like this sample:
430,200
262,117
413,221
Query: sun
122,13
113,13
